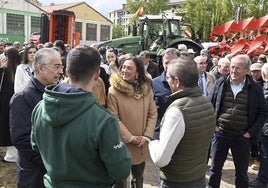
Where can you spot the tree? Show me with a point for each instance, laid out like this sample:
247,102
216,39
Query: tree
150,6
118,31
204,15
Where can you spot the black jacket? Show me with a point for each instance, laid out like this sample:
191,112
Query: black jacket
7,90
30,165
256,102
265,126
153,69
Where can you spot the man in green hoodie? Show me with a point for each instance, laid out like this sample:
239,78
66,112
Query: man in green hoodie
78,139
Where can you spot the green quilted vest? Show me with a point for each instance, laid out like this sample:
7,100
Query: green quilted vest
189,161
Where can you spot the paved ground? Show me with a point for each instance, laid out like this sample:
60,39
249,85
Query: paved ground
7,174
228,174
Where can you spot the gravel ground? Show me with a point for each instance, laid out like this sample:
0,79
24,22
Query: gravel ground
8,174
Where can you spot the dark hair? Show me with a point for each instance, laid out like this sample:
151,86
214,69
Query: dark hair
25,59
48,45
113,50
82,62
12,61
185,69
59,43
8,44
146,53
102,50
140,68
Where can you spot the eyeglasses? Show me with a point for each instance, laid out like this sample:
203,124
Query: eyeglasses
56,67
237,68
203,63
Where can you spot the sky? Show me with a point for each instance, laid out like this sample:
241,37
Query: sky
102,6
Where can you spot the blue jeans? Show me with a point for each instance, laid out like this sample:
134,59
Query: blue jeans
240,148
199,183
263,171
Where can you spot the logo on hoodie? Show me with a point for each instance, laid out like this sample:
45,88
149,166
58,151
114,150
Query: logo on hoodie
118,146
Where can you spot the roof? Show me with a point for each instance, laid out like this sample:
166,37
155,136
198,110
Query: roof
34,4
50,9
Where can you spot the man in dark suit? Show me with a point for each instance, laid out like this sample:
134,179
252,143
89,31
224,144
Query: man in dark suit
149,66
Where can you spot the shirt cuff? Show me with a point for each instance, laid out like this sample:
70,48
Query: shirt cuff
130,140
147,139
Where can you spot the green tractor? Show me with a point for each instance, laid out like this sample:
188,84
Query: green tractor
154,33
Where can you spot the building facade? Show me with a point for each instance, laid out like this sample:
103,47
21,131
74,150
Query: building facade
121,17
92,25
20,18
18,24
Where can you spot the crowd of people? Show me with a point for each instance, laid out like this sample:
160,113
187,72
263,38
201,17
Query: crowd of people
87,117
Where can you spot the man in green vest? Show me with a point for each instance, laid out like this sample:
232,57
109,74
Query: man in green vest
186,129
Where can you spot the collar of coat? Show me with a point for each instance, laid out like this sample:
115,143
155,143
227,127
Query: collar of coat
127,88
186,92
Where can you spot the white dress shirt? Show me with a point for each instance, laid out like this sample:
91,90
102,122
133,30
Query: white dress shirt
171,134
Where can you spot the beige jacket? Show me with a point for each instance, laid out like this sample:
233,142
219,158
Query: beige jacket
210,80
137,114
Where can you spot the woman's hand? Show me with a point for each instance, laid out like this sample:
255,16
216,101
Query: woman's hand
142,142
136,140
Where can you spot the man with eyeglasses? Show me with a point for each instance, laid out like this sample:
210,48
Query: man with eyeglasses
47,71
240,111
223,68
206,80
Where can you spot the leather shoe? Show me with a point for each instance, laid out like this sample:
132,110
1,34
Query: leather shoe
257,183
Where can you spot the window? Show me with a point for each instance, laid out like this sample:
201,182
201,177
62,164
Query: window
78,27
15,24
91,32
105,33
35,24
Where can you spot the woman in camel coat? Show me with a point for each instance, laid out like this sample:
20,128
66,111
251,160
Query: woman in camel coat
130,98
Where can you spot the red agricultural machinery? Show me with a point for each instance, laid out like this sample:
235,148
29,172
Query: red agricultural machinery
249,36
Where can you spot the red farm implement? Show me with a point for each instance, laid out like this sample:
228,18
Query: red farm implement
249,36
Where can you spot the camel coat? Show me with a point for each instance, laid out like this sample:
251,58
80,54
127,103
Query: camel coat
210,80
137,114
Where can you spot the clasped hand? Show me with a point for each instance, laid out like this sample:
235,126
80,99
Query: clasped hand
139,141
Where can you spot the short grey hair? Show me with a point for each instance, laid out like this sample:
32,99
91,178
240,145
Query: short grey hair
264,69
185,69
44,56
244,58
171,51
222,60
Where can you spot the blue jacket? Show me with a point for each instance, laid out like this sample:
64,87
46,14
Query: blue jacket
30,165
256,102
161,94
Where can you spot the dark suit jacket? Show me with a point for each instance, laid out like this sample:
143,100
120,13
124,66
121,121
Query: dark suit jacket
153,69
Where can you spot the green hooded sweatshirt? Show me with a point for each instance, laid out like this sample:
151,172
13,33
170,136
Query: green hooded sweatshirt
78,140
